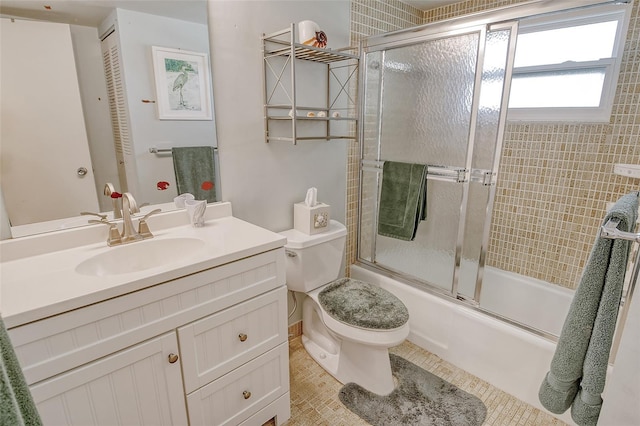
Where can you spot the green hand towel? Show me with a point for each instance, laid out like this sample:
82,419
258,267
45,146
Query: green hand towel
16,404
194,168
578,369
402,199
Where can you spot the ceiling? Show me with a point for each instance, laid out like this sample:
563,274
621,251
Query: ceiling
92,12
429,4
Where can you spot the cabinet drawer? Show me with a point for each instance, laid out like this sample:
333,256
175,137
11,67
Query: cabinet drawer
223,341
243,392
57,344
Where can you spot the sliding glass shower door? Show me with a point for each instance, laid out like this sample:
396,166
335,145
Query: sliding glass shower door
435,98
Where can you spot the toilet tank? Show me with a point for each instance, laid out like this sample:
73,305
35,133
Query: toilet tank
314,260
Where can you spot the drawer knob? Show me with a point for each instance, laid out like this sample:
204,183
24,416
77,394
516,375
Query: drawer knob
173,358
246,394
242,337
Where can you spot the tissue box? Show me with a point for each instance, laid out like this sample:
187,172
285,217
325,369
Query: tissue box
311,220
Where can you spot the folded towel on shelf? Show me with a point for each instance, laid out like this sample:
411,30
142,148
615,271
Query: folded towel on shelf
194,168
16,404
578,369
402,199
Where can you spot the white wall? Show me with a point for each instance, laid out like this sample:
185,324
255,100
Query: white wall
620,405
138,32
262,181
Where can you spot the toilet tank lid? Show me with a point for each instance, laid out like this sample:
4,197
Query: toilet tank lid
299,240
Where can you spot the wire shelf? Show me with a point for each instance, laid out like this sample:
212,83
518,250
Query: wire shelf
280,84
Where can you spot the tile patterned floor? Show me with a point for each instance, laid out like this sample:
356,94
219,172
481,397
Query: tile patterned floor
314,393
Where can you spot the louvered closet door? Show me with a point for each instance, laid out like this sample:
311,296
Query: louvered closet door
119,113
137,386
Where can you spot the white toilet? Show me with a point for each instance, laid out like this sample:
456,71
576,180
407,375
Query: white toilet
347,325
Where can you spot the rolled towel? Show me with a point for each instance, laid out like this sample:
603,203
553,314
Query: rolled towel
582,351
557,396
585,410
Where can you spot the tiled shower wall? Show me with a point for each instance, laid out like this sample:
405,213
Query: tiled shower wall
555,179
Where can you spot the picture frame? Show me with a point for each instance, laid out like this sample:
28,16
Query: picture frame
183,84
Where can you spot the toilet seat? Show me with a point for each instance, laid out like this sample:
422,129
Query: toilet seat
368,336
358,303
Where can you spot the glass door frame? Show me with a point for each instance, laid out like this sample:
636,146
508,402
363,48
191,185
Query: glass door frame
493,19
464,176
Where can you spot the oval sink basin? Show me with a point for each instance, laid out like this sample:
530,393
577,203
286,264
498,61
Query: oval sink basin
139,256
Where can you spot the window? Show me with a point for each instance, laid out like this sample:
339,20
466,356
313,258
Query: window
566,65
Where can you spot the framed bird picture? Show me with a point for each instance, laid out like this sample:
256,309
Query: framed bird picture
183,84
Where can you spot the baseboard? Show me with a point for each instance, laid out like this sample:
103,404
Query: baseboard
295,330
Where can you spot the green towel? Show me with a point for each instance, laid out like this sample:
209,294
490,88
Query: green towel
195,171
402,199
16,404
578,369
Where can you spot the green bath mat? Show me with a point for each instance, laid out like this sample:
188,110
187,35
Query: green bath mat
420,398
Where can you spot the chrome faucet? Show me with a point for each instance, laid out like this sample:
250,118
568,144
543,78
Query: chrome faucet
129,234
129,207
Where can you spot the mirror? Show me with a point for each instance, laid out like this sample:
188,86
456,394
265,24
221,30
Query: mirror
134,155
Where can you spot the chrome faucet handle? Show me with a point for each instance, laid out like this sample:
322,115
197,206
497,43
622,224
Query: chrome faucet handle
143,227
101,216
114,238
146,216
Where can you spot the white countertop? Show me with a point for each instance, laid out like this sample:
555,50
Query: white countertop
41,285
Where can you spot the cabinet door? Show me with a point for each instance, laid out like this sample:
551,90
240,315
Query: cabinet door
136,386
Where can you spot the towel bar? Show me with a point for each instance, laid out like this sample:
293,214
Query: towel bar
610,230
443,173
155,150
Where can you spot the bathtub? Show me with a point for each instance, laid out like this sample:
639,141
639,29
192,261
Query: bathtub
526,300
504,355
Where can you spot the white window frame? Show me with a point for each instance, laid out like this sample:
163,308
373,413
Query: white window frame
591,15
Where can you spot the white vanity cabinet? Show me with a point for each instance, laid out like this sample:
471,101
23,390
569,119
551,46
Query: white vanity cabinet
208,348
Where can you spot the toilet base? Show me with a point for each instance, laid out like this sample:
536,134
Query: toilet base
347,361
365,366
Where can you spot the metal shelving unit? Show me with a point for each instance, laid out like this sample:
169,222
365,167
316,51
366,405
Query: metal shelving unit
281,54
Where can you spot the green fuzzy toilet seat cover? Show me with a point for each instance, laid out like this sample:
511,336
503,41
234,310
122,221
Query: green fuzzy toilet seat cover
363,305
